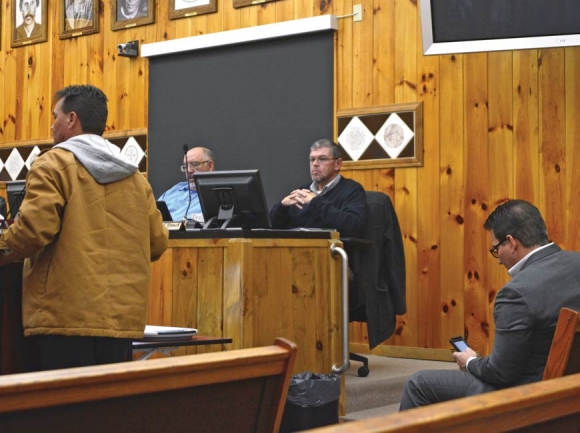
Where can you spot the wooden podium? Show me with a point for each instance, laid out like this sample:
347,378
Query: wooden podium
253,287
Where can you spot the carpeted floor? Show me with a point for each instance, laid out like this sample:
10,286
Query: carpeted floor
380,392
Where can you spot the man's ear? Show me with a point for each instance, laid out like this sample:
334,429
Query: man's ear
512,241
73,120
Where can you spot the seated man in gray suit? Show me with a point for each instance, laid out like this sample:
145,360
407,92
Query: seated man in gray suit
526,309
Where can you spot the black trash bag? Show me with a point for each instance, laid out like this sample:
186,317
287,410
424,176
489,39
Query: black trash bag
312,401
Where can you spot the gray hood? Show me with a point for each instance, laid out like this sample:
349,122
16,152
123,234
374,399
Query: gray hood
101,158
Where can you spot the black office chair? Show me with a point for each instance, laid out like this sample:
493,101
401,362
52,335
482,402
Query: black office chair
377,291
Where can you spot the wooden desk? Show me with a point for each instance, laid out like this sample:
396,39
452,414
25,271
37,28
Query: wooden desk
253,290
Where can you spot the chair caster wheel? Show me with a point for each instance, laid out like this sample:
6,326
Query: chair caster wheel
363,371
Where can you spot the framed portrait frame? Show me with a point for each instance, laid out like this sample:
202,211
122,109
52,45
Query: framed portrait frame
38,33
381,137
244,3
190,8
78,18
126,18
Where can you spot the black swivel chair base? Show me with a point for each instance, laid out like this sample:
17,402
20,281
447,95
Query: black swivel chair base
363,371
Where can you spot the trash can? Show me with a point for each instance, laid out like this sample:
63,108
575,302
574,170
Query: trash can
312,402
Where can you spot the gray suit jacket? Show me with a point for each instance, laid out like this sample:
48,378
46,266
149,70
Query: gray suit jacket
525,313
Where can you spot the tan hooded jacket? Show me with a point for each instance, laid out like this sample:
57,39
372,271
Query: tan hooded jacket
88,228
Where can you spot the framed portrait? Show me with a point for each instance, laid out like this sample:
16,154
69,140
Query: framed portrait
244,3
381,137
131,13
29,22
190,8
78,18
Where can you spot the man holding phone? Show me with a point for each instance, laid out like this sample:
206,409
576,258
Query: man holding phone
544,279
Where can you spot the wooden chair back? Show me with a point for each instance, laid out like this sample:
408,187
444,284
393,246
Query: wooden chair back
234,391
564,356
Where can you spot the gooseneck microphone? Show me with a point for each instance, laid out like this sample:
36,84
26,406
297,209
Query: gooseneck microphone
185,149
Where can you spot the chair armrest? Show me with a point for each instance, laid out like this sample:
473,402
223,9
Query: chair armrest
357,242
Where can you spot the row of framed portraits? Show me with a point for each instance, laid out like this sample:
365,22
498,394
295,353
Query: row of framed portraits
81,17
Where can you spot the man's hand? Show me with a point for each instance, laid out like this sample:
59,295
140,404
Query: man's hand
462,357
298,198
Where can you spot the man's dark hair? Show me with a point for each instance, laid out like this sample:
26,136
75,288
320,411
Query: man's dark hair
20,4
90,105
336,153
520,219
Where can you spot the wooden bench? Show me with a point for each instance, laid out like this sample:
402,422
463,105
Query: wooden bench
238,391
552,405
548,406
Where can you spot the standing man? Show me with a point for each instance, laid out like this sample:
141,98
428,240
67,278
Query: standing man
88,229
526,310
178,196
29,28
330,201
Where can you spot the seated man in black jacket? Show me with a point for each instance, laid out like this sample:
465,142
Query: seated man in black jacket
330,201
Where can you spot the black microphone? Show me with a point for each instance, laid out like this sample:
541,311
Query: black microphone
185,149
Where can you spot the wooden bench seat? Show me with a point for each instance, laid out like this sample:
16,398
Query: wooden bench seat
548,406
238,391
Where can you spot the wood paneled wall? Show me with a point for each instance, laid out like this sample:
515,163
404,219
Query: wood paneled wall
496,126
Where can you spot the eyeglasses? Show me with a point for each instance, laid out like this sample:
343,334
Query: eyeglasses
192,165
321,159
495,248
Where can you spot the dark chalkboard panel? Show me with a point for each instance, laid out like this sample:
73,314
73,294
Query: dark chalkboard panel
256,105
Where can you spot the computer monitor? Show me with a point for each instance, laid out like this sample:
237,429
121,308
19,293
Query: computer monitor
15,192
232,199
164,210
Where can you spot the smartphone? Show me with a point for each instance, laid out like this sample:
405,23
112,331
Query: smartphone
458,343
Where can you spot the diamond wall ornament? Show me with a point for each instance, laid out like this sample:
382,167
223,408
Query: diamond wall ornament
14,164
394,135
35,152
132,152
355,138
397,136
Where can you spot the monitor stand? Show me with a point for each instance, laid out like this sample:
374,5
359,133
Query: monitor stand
225,214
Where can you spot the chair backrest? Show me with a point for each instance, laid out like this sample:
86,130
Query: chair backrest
564,356
240,390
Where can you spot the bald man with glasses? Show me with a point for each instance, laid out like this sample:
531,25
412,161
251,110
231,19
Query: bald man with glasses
178,196
544,280
330,201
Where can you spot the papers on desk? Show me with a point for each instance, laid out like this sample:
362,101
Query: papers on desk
156,333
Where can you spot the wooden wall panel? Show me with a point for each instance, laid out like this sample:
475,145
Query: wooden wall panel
553,141
572,148
496,126
501,158
526,129
476,258
428,192
452,151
